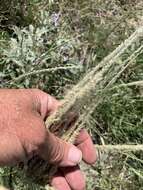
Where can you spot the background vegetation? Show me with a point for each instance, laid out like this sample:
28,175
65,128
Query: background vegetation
51,45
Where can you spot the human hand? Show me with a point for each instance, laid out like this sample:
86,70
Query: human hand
23,134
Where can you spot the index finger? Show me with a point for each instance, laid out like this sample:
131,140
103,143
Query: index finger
85,144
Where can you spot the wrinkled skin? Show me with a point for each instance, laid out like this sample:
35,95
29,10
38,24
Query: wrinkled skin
23,134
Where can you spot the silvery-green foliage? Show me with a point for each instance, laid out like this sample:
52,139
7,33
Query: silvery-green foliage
39,47
24,48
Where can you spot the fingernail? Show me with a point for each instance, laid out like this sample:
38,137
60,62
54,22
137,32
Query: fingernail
74,155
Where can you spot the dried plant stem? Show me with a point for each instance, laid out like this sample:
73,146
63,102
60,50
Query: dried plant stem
37,72
101,76
124,147
135,83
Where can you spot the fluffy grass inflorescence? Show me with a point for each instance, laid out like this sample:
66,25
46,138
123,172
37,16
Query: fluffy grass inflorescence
44,41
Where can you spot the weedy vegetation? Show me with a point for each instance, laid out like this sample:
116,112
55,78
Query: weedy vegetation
52,45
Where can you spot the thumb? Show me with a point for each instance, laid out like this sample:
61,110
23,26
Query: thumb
57,151
3,188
